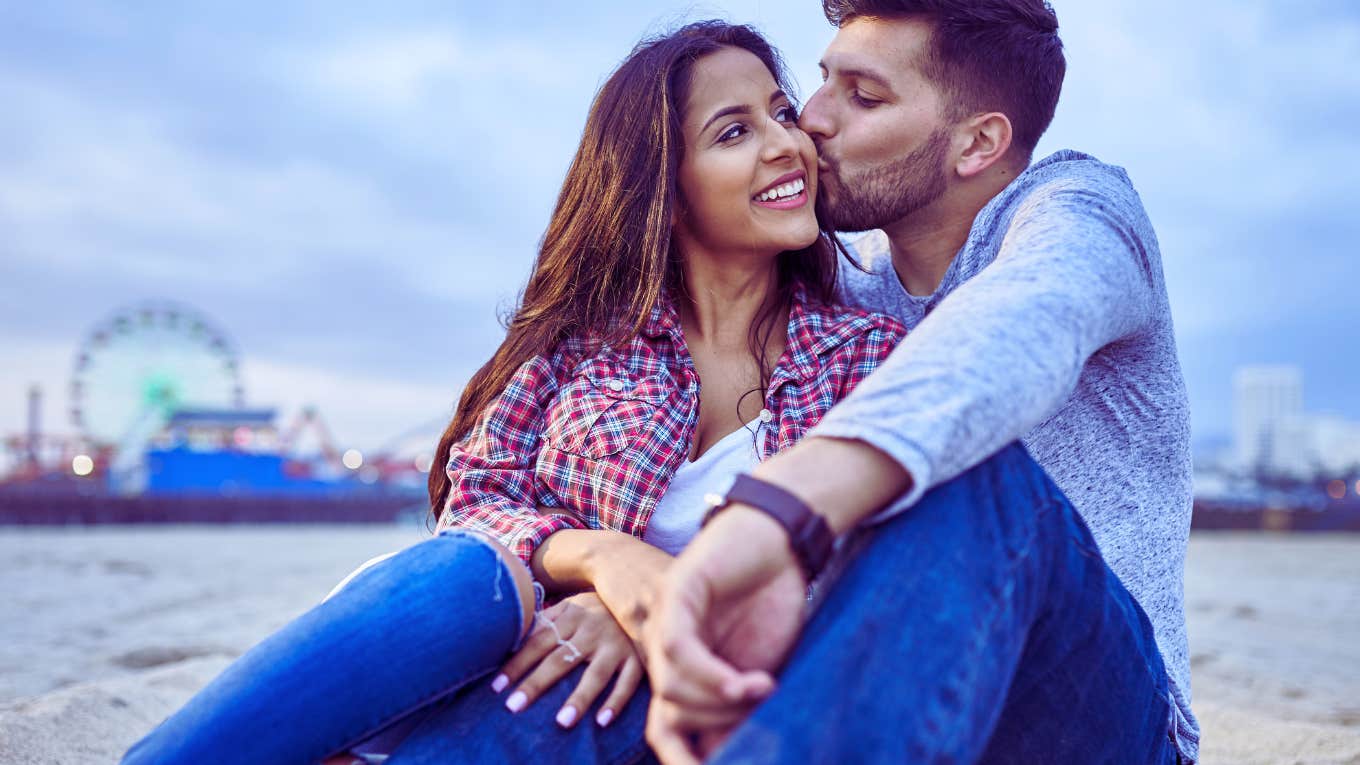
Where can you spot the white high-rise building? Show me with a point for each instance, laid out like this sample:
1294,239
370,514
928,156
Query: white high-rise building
1265,398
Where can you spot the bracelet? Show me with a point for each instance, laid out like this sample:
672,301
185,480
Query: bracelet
809,535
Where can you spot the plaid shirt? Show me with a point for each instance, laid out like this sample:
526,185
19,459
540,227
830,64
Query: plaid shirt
600,434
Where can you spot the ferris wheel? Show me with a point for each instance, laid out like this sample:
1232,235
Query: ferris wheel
142,363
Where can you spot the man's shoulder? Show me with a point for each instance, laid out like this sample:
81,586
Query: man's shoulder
1075,179
868,269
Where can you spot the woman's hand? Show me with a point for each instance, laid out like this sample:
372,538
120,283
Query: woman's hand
625,571
588,633
627,577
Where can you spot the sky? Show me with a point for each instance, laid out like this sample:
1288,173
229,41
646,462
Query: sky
353,194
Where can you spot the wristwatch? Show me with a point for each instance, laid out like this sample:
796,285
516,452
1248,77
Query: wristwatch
809,535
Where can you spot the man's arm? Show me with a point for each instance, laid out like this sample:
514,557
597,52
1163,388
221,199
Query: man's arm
997,357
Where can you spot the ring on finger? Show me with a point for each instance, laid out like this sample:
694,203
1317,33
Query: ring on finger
575,653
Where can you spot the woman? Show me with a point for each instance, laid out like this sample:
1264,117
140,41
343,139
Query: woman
675,330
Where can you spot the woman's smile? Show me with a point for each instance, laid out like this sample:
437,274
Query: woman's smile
788,192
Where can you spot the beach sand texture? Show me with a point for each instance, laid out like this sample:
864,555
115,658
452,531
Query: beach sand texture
109,629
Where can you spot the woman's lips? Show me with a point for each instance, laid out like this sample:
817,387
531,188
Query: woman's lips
786,203
786,193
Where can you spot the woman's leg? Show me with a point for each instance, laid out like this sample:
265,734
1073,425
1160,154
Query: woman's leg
473,726
401,635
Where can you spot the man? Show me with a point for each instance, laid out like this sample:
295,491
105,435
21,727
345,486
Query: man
975,619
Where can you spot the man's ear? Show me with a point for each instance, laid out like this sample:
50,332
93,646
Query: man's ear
986,139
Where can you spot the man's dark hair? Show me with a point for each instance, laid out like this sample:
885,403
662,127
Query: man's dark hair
986,55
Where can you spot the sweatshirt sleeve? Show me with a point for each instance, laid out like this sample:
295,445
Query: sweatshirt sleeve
491,472
1003,351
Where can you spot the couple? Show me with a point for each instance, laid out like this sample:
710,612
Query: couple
688,425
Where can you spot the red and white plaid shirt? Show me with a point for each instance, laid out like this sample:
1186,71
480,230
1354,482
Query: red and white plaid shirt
600,435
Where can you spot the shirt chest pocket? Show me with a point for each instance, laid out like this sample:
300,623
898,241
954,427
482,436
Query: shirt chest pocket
601,411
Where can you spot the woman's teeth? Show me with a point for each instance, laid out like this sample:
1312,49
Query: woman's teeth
780,192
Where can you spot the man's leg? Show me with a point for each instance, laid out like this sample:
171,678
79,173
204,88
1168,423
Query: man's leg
981,625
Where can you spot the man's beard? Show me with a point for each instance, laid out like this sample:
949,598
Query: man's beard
888,192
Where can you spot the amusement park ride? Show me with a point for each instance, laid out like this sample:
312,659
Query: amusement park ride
162,432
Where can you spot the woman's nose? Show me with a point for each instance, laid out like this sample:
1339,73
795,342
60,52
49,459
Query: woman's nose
780,141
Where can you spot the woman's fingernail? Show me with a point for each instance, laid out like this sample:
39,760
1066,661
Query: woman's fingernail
516,701
567,716
605,717
499,683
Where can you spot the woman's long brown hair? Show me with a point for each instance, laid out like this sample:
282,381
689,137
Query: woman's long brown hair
606,258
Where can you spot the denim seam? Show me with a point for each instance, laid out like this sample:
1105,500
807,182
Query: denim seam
1089,549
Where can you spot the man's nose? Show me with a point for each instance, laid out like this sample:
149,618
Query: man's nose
816,117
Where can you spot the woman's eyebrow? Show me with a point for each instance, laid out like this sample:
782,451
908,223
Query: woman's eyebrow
730,110
723,113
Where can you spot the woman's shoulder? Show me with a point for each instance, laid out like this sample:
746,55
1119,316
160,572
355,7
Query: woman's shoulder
637,356
833,325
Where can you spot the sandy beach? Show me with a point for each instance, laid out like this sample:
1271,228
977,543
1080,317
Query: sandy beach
109,629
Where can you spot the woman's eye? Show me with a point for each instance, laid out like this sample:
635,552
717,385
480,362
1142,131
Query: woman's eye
732,133
786,114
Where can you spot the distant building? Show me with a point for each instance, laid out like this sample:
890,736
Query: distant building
1264,398
1312,445
1273,435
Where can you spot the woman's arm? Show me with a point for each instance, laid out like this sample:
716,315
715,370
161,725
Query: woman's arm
491,471
624,571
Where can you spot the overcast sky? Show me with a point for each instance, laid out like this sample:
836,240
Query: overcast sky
351,194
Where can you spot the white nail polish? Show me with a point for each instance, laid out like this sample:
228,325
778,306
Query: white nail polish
605,717
499,683
567,716
516,701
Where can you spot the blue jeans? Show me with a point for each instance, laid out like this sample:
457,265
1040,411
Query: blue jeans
403,643
982,626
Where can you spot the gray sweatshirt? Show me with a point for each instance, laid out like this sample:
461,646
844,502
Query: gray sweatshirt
1051,326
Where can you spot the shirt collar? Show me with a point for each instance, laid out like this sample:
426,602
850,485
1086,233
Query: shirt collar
664,320
813,331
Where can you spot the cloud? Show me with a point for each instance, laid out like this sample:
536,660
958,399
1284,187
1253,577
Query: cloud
128,193
405,70
366,411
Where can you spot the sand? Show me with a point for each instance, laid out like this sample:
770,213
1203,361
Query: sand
109,629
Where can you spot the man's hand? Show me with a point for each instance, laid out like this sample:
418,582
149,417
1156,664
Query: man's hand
729,612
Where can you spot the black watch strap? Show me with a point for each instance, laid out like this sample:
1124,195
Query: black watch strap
809,535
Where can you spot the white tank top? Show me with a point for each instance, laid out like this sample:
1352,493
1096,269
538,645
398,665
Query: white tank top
678,513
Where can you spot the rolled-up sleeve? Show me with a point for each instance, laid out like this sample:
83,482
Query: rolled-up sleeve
491,471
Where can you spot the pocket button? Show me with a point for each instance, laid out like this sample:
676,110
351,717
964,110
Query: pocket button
616,385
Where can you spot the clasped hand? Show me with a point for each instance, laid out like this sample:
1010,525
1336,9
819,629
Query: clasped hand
577,630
